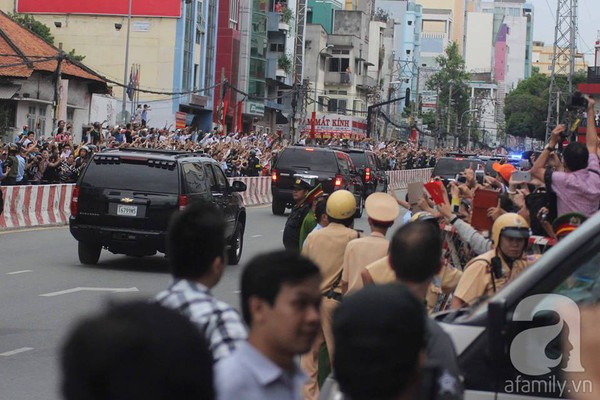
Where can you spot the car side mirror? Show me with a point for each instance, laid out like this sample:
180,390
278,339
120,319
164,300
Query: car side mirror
238,186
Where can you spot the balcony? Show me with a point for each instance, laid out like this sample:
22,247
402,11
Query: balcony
275,23
365,82
338,78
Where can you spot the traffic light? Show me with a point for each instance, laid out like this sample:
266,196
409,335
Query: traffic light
407,98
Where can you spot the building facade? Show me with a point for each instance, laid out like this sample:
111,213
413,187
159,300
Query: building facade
542,59
173,42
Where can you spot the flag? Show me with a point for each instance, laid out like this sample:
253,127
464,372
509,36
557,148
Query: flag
137,76
130,86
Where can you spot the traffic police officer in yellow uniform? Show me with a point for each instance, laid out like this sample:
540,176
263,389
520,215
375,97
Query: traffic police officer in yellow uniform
326,248
489,272
382,210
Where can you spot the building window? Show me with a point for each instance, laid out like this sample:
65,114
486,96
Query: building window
233,13
339,64
277,47
31,120
320,103
70,115
42,120
337,106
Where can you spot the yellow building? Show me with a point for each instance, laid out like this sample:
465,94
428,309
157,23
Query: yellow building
172,48
542,59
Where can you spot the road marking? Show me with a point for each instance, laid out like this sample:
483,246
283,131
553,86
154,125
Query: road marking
18,272
256,236
17,351
90,289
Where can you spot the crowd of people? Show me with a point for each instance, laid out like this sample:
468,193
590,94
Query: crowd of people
59,159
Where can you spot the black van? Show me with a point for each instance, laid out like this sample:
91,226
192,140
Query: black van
124,200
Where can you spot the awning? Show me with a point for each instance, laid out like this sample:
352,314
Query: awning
7,92
280,119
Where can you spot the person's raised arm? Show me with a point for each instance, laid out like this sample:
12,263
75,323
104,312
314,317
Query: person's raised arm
539,166
591,136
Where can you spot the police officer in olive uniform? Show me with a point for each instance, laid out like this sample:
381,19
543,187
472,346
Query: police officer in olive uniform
326,248
291,232
491,271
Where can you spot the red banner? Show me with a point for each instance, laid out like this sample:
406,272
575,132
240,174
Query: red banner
139,8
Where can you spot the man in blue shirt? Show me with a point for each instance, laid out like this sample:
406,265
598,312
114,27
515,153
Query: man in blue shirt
281,297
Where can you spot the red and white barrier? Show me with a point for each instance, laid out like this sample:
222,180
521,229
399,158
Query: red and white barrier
400,179
258,190
44,205
39,205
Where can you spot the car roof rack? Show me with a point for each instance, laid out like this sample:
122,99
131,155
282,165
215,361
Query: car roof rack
151,151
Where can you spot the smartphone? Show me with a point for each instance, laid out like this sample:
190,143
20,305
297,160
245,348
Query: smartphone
521,176
479,176
460,178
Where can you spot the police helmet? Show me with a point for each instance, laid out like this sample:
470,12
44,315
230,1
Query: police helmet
341,205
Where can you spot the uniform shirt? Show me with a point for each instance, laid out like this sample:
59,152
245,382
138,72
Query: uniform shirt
360,253
476,280
247,374
218,321
326,248
20,167
381,272
577,191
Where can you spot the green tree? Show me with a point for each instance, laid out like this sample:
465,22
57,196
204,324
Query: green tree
452,83
33,25
526,107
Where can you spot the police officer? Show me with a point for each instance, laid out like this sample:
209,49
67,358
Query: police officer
489,272
382,210
254,166
291,232
326,248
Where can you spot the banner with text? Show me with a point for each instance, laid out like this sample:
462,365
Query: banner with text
335,125
139,8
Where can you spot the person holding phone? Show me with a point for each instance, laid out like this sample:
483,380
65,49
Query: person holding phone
578,187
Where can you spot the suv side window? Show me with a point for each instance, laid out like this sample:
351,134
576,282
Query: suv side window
344,163
372,161
193,176
211,177
221,179
583,285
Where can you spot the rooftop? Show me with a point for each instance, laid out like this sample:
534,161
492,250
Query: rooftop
22,53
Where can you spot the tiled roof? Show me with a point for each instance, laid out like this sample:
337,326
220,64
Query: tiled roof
15,39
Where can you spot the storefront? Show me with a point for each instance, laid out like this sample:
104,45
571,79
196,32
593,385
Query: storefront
327,126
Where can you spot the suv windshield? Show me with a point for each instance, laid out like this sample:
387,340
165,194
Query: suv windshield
135,177
302,158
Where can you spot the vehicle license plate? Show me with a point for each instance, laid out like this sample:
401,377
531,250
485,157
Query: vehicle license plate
127,211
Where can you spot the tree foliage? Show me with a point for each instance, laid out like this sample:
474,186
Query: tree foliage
33,25
451,77
526,107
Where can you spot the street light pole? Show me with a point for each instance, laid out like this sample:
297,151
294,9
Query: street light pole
461,127
124,106
313,120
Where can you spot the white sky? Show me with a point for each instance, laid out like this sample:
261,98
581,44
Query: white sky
589,24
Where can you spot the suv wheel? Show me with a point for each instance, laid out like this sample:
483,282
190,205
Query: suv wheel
237,244
88,253
360,208
278,206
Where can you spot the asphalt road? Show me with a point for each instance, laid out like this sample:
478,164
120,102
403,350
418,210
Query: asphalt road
44,290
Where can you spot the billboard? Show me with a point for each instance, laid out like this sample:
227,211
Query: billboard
139,8
335,125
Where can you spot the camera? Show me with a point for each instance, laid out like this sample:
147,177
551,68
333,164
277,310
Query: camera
577,101
461,178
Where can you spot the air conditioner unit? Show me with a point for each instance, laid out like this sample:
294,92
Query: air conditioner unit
25,95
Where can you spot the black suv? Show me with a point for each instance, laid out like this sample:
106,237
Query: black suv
332,168
124,200
449,167
370,170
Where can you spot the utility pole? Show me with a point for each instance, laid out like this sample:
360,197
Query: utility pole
565,47
57,88
449,109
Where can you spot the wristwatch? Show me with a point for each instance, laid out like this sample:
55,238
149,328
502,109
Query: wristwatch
453,220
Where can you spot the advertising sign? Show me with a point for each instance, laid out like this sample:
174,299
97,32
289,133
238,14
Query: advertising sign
335,125
428,100
180,120
139,8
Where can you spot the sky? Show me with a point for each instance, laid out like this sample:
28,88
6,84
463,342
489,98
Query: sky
544,24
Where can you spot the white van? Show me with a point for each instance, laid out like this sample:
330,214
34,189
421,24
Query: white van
509,346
